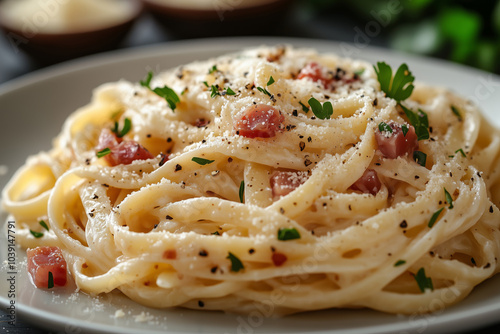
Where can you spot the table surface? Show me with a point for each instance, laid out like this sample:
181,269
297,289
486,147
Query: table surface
300,23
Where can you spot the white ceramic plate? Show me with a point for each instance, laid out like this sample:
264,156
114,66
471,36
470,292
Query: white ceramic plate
32,110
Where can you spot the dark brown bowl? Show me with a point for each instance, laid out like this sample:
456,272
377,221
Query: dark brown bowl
220,18
48,48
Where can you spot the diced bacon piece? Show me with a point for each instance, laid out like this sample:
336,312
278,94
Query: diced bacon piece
396,144
315,72
283,183
369,183
259,121
123,152
41,261
278,259
126,152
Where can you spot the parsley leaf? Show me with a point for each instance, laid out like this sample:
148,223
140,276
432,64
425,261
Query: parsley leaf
229,91
216,233
461,152
434,217
242,190
449,199
201,161
103,152
405,129
36,234
168,94
423,281
304,107
271,81
147,82
420,158
321,111
236,264
359,72
384,127
419,121
399,263
127,125
400,87
43,224
213,69
456,112
288,234
263,90
50,283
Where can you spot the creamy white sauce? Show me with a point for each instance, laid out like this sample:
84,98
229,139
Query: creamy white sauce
57,16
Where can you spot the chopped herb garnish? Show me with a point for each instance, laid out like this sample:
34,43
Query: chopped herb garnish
321,111
405,129
127,125
263,90
236,264
288,234
419,121
420,158
399,263
36,234
229,91
215,91
201,161
434,217
212,69
103,152
423,281
43,224
449,199
50,283
147,82
304,107
461,152
242,190
216,233
271,81
400,87
359,72
456,112
384,127
169,95
205,83
166,92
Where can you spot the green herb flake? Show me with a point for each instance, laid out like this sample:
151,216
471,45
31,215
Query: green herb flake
304,107
419,121
271,81
43,224
405,129
263,90
147,82
400,87
288,234
201,161
216,233
214,91
321,111
127,125
423,281
461,152
103,152
50,284
205,83
236,264
242,190
36,234
420,158
213,69
229,91
434,217
384,127
169,95
456,112
449,199
359,72
399,263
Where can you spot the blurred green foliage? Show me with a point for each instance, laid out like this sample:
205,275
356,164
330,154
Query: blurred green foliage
463,31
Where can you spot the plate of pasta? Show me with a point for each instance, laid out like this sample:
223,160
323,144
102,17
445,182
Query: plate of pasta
252,186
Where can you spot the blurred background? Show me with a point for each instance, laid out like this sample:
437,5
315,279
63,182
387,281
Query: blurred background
38,33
